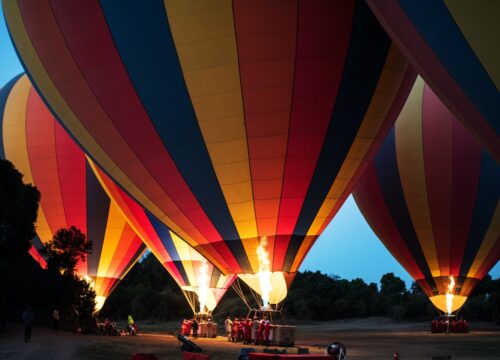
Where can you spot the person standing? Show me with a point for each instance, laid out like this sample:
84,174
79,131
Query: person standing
241,325
267,331
184,328
247,331
131,326
210,328
259,339
55,319
255,326
195,329
28,318
234,330
228,325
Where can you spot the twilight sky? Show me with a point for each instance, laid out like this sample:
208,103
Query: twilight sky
347,247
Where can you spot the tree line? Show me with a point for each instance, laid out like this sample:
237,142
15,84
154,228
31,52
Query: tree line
148,292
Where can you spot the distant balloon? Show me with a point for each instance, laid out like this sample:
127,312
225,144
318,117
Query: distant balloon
432,197
70,193
454,45
190,270
241,125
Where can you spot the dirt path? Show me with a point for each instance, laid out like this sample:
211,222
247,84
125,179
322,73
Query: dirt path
364,340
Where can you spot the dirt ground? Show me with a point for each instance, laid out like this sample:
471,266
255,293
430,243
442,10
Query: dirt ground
365,339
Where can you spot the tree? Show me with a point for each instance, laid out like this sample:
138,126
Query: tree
147,292
18,212
393,295
67,248
392,285
74,297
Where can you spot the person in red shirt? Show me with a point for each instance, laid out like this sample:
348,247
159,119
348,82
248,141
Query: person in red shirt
234,330
241,325
183,327
247,330
260,333
189,324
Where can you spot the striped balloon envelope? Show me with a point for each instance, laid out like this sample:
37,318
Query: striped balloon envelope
70,193
454,45
432,196
202,283
241,125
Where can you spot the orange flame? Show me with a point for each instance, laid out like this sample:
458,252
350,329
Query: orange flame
264,273
203,285
450,295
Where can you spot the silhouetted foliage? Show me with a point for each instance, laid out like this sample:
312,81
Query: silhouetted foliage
18,212
74,297
484,302
67,249
147,292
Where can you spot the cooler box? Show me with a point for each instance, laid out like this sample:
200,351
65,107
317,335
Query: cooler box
203,330
283,335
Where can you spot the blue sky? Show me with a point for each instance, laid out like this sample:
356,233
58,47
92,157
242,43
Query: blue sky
347,247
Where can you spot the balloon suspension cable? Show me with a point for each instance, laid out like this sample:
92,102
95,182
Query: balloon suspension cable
279,307
238,289
191,299
257,298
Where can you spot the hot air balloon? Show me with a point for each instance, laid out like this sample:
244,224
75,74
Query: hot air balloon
454,46
36,247
241,125
71,195
431,195
202,283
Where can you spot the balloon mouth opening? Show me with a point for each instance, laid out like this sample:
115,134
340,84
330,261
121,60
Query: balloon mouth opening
99,303
443,303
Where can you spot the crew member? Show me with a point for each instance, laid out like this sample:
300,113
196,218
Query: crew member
228,324
234,330
241,325
267,331
247,330
260,333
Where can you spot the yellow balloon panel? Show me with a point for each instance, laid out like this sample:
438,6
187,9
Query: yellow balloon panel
439,301
278,285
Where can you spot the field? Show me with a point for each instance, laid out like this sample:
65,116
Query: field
365,339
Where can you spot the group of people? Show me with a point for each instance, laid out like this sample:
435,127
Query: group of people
248,331
189,326
108,327
453,325
194,327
